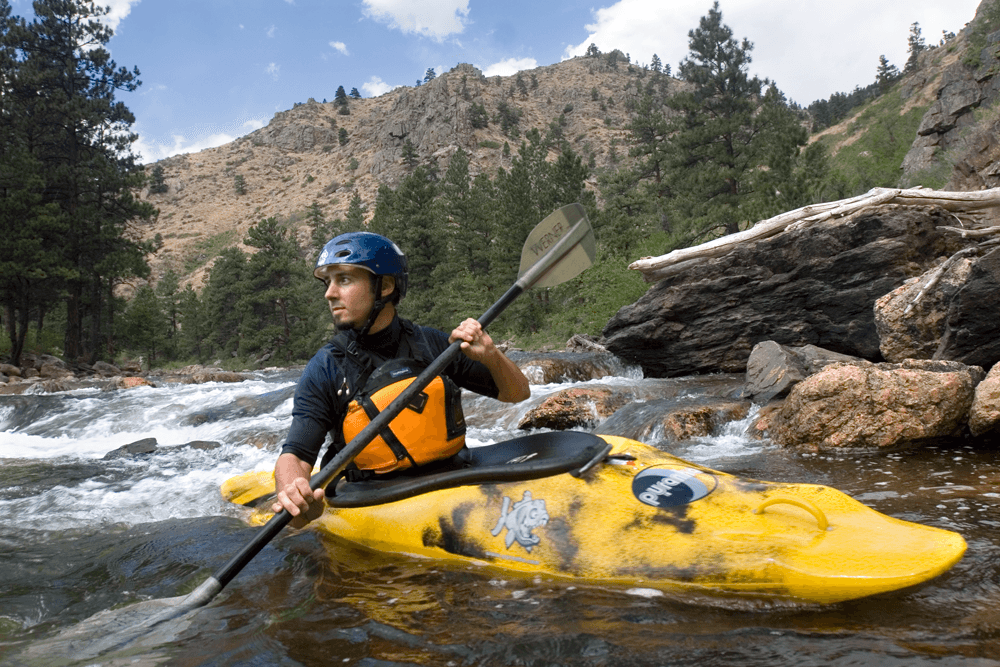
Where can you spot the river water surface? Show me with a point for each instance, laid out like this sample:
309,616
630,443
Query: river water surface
81,534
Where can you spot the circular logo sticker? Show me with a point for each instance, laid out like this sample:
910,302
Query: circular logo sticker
668,487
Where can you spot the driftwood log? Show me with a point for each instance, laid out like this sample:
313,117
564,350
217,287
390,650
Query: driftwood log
654,269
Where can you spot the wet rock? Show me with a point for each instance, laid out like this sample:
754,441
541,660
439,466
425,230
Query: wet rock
984,415
773,369
701,421
674,419
807,286
244,406
567,367
137,448
916,334
132,381
130,366
584,343
105,369
572,408
762,424
217,376
148,446
10,370
876,405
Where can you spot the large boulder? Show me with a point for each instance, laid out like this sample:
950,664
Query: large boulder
876,405
984,415
953,319
970,334
912,318
772,369
809,286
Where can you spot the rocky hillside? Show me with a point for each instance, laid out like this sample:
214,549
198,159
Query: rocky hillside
300,157
313,154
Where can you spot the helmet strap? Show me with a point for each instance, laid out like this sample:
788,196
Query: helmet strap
377,307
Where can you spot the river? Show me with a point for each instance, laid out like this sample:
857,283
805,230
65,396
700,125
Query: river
82,533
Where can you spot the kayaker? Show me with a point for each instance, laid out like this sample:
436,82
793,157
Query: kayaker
366,276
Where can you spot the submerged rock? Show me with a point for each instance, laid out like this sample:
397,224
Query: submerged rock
148,446
572,408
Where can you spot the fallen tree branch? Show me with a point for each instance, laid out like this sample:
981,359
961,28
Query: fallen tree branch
654,269
972,233
933,279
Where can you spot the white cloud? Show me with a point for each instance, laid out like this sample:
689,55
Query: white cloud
340,46
149,152
376,86
270,31
510,66
119,10
273,69
811,50
152,151
431,18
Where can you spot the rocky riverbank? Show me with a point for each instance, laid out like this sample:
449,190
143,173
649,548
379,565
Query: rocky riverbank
46,373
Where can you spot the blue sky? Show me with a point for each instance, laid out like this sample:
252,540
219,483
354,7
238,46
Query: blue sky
214,70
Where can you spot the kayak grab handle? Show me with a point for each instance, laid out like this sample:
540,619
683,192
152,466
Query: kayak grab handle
798,502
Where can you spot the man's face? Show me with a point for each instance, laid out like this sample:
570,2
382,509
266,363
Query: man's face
349,294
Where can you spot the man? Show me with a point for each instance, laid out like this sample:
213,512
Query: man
366,276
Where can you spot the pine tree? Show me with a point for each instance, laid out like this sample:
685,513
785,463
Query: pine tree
227,284
144,326
340,98
270,307
410,217
167,290
915,46
722,137
60,111
885,75
355,94
429,75
157,183
656,65
195,327
410,157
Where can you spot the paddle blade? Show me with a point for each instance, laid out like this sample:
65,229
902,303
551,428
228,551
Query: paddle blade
571,219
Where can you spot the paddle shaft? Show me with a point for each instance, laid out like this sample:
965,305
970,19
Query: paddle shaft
214,584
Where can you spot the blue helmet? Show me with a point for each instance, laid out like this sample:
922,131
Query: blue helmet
374,252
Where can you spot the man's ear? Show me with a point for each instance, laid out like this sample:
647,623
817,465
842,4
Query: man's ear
388,285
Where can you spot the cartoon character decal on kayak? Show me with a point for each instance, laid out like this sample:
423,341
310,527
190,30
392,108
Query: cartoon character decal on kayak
520,519
669,487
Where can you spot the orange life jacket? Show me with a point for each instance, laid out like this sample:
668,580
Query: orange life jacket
430,428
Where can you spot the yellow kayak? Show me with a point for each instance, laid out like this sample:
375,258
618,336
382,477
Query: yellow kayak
613,511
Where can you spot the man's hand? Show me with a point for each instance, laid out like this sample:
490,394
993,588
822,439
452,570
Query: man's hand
476,343
478,346
291,477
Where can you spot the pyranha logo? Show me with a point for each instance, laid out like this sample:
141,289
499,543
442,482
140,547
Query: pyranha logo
669,487
520,519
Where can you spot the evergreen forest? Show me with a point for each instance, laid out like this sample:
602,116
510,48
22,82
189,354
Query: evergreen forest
725,152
